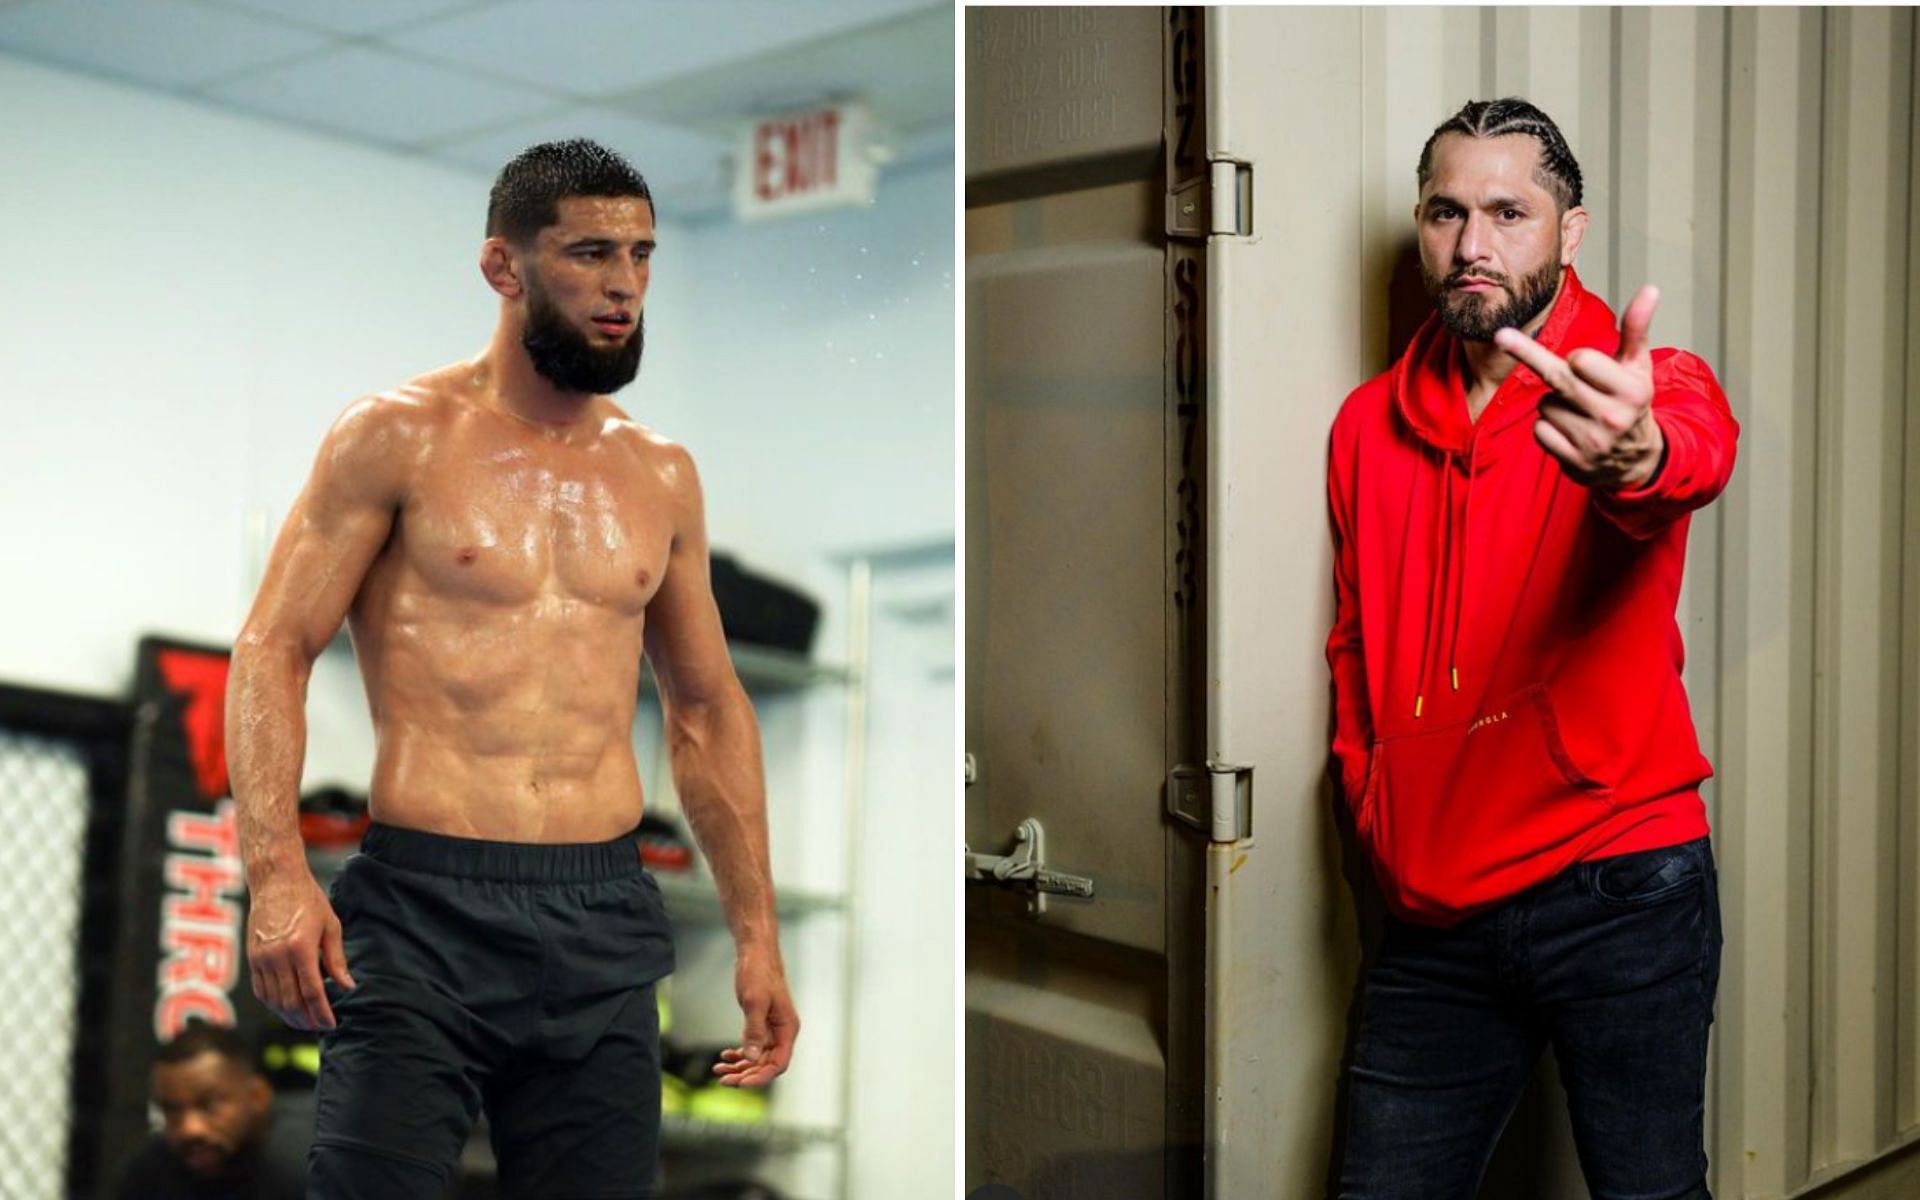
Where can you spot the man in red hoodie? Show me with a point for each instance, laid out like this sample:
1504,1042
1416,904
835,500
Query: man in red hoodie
1510,507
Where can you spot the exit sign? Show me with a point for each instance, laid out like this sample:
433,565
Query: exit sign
804,161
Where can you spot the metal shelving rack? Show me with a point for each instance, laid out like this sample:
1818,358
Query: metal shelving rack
767,671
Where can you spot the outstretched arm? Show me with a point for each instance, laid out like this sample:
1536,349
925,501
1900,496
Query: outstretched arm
713,741
1649,432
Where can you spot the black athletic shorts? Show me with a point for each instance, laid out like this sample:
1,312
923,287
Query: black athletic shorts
506,977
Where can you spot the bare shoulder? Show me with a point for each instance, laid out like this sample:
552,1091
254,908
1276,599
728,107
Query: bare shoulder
382,418
378,439
657,457
432,397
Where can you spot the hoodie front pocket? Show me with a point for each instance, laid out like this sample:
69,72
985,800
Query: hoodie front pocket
1477,809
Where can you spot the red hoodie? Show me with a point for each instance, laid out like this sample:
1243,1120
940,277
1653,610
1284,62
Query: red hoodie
1506,664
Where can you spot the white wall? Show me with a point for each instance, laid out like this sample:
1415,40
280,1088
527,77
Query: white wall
817,383
195,295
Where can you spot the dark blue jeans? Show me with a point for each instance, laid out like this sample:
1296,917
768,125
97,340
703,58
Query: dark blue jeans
1614,963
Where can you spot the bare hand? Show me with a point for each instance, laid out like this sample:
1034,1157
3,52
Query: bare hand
1598,418
772,1025
291,932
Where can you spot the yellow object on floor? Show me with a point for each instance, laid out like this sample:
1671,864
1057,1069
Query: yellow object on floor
674,1092
736,1106
302,1056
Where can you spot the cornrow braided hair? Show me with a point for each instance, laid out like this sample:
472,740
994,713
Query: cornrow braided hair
1557,172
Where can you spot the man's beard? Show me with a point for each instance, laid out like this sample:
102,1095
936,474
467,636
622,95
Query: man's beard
222,1154
565,358
1473,319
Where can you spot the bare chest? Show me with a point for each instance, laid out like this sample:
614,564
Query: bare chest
1478,397
508,521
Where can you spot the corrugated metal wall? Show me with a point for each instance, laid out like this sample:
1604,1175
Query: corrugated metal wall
1759,165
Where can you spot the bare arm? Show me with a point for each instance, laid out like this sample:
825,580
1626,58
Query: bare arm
713,738
713,741
331,536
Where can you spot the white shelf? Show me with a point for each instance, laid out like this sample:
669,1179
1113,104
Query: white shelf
678,1131
693,898
765,669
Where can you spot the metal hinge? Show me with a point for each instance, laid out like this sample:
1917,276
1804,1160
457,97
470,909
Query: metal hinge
1216,799
1218,203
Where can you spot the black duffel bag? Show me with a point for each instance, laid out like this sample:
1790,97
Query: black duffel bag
759,610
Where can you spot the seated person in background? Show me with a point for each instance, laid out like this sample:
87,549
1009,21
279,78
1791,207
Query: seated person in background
220,1141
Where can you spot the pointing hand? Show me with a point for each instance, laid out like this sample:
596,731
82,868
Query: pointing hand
1597,418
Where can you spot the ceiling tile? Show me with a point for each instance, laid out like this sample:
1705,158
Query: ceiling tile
166,45
669,157
356,17
592,47
904,69
381,97
932,143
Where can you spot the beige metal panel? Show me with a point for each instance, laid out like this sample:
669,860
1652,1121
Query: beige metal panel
1409,90
1283,358
1463,33
1077,1021
1561,59
1594,124
1504,45
1767,522
1380,234
1054,86
1065,1016
1907,820
1862,283
1066,1091
1667,220
1895,1176
1065,298
1656,197
1698,151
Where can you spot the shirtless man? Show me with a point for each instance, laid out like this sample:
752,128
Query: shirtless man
505,543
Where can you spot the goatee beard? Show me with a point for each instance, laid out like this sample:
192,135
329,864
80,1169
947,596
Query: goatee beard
1473,319
565,358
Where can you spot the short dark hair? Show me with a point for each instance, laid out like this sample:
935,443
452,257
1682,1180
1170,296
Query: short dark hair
1557,172
527,193
201,1038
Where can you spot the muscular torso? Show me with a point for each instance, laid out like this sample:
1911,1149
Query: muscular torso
499,629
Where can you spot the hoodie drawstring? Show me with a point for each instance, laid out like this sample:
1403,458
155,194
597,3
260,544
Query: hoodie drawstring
1466,540
1444,582
1441,551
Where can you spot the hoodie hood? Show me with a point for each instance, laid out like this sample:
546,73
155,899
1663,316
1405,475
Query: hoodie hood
1499,719
1428,385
